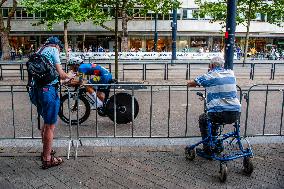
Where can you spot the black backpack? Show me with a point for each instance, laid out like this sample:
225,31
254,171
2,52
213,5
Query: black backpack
40,70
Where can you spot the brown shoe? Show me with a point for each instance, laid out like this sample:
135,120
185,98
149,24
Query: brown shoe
52,153
54,161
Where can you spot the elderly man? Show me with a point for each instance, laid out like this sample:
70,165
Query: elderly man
222,103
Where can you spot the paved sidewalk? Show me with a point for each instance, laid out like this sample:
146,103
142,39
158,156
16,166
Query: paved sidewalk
137,167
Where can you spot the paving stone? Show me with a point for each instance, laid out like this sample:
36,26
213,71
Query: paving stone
139,167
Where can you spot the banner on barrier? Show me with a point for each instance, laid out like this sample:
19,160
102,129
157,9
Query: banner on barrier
144,55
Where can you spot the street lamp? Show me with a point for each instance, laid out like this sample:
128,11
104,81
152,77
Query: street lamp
174,35
156,33
230,33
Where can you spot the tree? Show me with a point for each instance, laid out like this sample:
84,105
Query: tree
126,7
275,12
246,11
5,30
62,11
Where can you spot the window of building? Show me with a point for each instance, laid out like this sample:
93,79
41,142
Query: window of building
37,15
178,16
136,14
166,17
5,12
43,14
190,14
26,15
148,16
160,16
257,17
19,14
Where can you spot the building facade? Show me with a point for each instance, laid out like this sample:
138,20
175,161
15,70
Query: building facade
193,33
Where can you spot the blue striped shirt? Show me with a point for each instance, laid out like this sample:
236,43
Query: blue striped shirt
220,85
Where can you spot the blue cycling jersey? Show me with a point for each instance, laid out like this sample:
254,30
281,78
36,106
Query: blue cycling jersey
97,73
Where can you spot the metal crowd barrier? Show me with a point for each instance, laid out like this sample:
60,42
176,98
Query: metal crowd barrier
165,111
144,67
272,115
22,70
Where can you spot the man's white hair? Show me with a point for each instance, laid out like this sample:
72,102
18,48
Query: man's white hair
217,62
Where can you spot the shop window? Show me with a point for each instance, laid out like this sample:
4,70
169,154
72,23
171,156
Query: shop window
135,44
199,42
163,45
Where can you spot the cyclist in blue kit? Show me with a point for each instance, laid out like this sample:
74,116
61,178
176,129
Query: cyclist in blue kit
97,75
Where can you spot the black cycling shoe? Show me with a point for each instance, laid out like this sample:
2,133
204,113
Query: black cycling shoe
101,111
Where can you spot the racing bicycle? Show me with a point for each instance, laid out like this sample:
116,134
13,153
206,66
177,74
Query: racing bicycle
121,107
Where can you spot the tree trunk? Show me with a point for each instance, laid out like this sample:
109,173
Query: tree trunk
124,38
66,41
247,33
5,31
5,45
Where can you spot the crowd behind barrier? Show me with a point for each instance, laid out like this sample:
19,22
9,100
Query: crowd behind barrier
262,114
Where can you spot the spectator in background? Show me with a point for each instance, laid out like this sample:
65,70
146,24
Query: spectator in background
201,50
101,49
239,52
20,53
13,54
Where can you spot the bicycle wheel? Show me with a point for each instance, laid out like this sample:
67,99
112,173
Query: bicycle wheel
123,108
84,109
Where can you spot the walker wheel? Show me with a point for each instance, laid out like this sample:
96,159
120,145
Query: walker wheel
248,166
223,172
190,154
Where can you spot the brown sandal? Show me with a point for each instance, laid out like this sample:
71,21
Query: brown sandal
54,161
52,153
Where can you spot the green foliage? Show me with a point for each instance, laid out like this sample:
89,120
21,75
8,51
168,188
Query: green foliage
62,11
157,6
246,10
275,12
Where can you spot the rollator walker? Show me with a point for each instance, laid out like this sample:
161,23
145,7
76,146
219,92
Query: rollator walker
223,147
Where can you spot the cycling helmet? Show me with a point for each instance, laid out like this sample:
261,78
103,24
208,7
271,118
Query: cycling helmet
75,61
